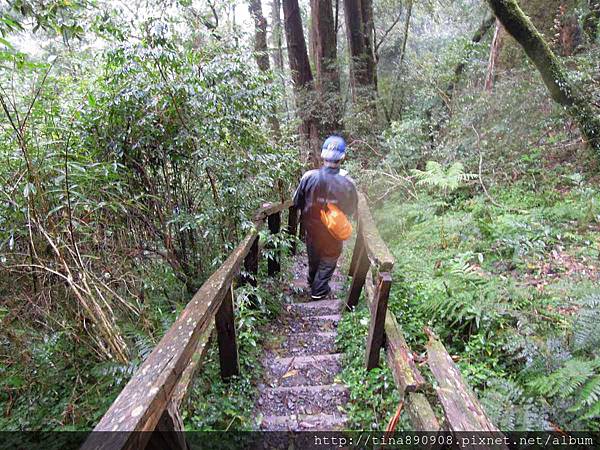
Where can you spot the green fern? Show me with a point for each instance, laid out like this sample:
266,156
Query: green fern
510,409
567,380
446,180
588,399
587,324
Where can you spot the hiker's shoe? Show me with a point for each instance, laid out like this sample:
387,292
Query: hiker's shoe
322,296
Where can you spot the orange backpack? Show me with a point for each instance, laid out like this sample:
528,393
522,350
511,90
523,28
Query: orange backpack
336,222
333,217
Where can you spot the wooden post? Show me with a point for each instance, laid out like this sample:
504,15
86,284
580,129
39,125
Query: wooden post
377,325
169,431
293,226
358,278
273,263
359,245
251,269
225,325
251,265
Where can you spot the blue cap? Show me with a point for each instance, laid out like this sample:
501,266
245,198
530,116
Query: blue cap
334,149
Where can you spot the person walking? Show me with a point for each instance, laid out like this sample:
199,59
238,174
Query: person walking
320,189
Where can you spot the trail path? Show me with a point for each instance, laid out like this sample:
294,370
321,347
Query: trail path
301,389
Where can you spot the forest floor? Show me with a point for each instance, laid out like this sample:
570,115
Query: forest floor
300,388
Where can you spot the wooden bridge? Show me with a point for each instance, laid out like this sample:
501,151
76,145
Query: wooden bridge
150,402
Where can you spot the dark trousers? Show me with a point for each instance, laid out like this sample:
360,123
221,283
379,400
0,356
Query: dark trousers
320,270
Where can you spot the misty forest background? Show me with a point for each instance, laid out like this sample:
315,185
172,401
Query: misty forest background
137,138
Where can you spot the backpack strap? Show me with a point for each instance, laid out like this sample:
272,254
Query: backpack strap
322,191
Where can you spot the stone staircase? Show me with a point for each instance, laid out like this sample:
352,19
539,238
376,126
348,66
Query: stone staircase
301,389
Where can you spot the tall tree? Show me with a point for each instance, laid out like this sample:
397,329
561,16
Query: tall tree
561,88
325,61
302,79
356,44
260,35
366,7
277,34
261,51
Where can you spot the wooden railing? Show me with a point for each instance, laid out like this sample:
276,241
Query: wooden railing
371,270
148,407
150,401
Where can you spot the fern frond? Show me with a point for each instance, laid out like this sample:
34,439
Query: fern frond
447,180
587,324
588,396
566,380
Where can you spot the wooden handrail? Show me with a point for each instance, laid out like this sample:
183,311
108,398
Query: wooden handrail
371,258
371,270
150,400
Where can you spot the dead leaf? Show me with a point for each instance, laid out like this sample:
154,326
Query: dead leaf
290,373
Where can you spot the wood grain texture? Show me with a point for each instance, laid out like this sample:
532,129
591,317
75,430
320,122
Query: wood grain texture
377,322
461,407
273,262
225,326
377,251
419,412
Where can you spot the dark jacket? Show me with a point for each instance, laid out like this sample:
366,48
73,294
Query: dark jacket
317,187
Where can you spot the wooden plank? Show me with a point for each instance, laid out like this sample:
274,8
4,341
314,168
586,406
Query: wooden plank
376,249
271,208
377,323
358,246
273,262
461,407
292,227
141,403
187,377
169,432
251,265
369,289
400,358
225,326
358,279
420,414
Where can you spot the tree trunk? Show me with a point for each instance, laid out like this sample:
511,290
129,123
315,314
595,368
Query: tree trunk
361,40
406,29
325,58
302,79
366,7
261,51
362,62
277,43
562,90
493,60
276,34
356,43
260,35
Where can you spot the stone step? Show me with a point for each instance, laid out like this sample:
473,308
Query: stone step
315,343
294,323
317,323
304,422
285,401
307,370
317,308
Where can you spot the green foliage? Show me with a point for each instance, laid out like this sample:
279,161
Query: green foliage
131,165
510,409
447,180
218,405
373,395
